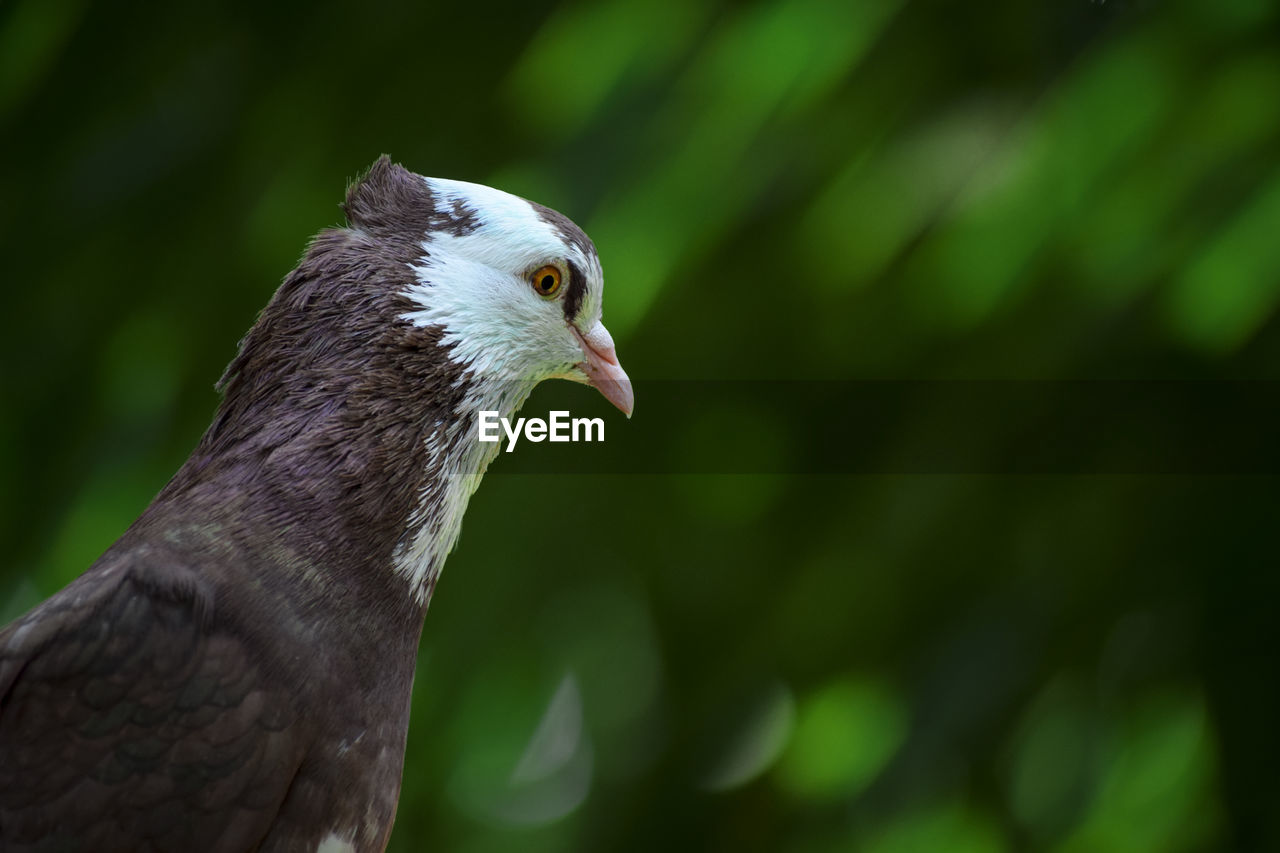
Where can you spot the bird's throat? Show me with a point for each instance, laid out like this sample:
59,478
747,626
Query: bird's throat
457,462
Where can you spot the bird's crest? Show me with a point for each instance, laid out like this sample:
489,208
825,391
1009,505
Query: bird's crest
390,199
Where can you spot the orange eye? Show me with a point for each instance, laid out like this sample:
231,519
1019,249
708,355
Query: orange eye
546,280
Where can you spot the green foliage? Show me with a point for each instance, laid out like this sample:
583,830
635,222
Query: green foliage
846,734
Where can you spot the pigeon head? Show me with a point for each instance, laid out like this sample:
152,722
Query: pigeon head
516,288
513,287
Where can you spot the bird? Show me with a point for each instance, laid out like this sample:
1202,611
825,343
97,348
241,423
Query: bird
234,672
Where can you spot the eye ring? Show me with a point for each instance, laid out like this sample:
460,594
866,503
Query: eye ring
546,281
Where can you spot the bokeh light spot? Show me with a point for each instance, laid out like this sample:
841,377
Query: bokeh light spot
846,733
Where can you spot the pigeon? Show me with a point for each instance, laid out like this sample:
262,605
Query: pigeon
234,673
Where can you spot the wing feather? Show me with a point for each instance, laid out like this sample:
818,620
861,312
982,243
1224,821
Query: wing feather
132,718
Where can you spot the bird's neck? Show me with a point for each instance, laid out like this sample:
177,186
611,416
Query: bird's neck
344,494
458,462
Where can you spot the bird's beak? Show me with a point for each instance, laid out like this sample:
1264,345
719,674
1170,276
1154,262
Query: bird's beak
602,369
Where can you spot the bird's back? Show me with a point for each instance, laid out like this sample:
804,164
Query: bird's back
133,718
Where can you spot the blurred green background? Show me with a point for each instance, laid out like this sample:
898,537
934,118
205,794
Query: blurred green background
781,189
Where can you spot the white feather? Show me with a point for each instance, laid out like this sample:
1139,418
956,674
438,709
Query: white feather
475,288
335,843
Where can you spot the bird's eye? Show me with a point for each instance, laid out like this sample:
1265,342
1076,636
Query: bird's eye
546,280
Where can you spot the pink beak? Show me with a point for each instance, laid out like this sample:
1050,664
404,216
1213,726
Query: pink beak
602,367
